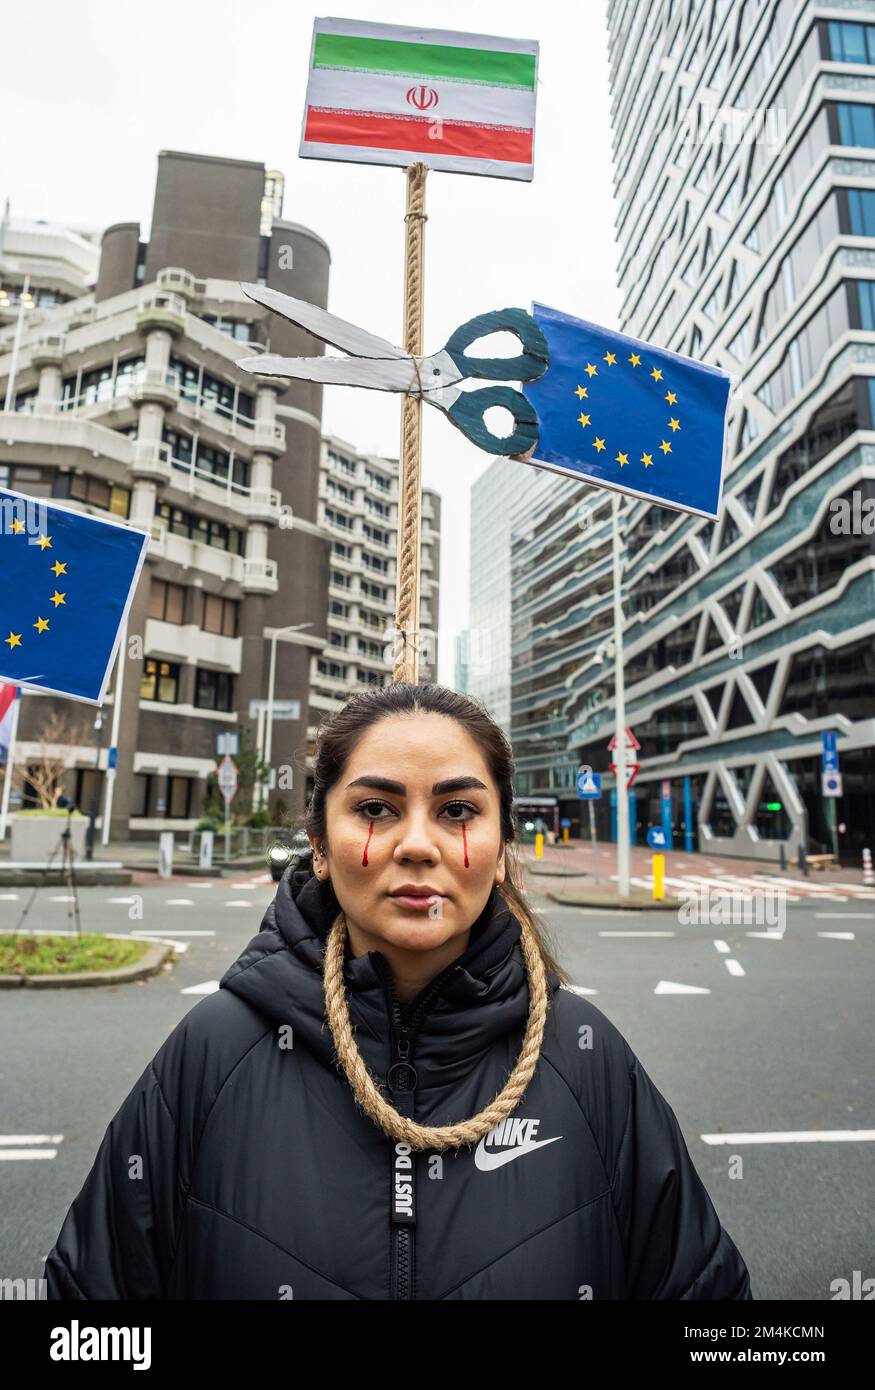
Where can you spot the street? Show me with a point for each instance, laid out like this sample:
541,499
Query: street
781,1045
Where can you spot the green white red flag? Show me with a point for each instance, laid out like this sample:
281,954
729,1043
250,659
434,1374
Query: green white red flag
387,94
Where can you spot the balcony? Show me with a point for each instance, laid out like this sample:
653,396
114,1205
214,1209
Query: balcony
260,576
177,281
151,461
160,309
154,384
48,350
269,439
263,505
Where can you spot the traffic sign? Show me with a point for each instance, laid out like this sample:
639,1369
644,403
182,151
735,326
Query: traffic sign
228,778
829,750
656,837
589,786
632,770
831,783
228,743
631,741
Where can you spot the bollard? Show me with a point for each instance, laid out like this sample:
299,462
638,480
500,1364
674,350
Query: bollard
539,846
659,876
868,875
565,834
782,856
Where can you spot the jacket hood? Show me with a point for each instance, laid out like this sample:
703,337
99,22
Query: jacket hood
482,997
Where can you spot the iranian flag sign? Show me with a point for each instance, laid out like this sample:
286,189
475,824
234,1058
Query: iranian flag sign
383,94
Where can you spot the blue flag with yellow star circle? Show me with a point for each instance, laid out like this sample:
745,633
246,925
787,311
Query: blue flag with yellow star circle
66,583
623,414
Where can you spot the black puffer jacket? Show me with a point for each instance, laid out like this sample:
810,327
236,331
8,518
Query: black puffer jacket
261,1179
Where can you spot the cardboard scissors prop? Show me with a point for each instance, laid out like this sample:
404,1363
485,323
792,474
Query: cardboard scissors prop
373,362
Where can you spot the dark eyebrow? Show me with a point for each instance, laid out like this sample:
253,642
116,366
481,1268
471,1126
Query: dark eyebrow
452,784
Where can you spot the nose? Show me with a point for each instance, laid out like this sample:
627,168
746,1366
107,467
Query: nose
416,838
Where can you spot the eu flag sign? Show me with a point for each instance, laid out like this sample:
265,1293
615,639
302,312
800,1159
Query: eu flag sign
622,414
66,583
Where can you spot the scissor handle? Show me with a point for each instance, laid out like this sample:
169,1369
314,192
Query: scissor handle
468,412
531,363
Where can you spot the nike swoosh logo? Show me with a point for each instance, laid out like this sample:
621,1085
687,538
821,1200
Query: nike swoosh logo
487,1159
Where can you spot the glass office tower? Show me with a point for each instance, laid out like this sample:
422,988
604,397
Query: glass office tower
744,147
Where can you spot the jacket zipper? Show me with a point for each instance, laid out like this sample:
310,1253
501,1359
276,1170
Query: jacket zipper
402,1081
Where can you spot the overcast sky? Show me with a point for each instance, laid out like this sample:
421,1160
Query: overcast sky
99,87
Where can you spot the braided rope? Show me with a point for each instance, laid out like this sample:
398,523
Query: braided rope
365,1088
406,666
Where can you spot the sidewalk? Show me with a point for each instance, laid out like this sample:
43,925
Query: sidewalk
589,877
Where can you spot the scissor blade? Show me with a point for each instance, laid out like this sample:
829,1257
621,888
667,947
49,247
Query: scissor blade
395,375
321,324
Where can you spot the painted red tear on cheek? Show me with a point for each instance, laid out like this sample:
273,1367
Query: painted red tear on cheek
465,843
367,842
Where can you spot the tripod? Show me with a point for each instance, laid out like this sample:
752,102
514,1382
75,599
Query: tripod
65,844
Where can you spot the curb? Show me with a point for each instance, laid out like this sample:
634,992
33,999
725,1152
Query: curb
541,872
150,964
611,904
85,878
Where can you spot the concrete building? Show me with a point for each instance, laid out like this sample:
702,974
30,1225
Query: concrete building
127,399
744,148
358,509
495,498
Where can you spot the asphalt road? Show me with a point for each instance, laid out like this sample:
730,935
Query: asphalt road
778,1042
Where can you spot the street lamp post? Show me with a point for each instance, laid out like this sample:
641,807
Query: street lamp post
620,711
271,686
92,814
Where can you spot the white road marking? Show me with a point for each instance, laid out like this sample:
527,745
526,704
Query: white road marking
62,898
721,946
837,935
179,947
179,902
599,912
235,886
237,902
200,885
772,935
27,1153
9,897
636,933
580,989
208,987
121,900
144,933
794,1136
671,987
19,1139
734,967
847,916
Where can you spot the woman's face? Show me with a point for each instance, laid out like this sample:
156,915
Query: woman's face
415,807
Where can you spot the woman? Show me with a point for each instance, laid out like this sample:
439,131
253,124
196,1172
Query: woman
394,1094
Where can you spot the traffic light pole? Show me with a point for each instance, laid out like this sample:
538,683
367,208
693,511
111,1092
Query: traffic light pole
620,713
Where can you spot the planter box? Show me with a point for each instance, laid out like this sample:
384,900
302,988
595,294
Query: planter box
35,838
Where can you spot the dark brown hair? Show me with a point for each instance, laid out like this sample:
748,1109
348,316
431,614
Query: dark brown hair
339,733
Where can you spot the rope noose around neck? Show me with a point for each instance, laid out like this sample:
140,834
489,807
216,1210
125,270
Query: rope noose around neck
365,1090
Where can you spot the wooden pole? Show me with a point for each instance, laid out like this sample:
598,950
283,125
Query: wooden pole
406,667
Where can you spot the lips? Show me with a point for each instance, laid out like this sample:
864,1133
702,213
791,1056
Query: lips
416,897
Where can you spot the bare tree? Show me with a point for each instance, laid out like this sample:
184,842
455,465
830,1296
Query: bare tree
45,774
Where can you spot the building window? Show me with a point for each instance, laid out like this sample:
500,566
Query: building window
95,491
213,689
856,124
178,799
160,681
851,43
200,528
220,615
140,791
166,601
